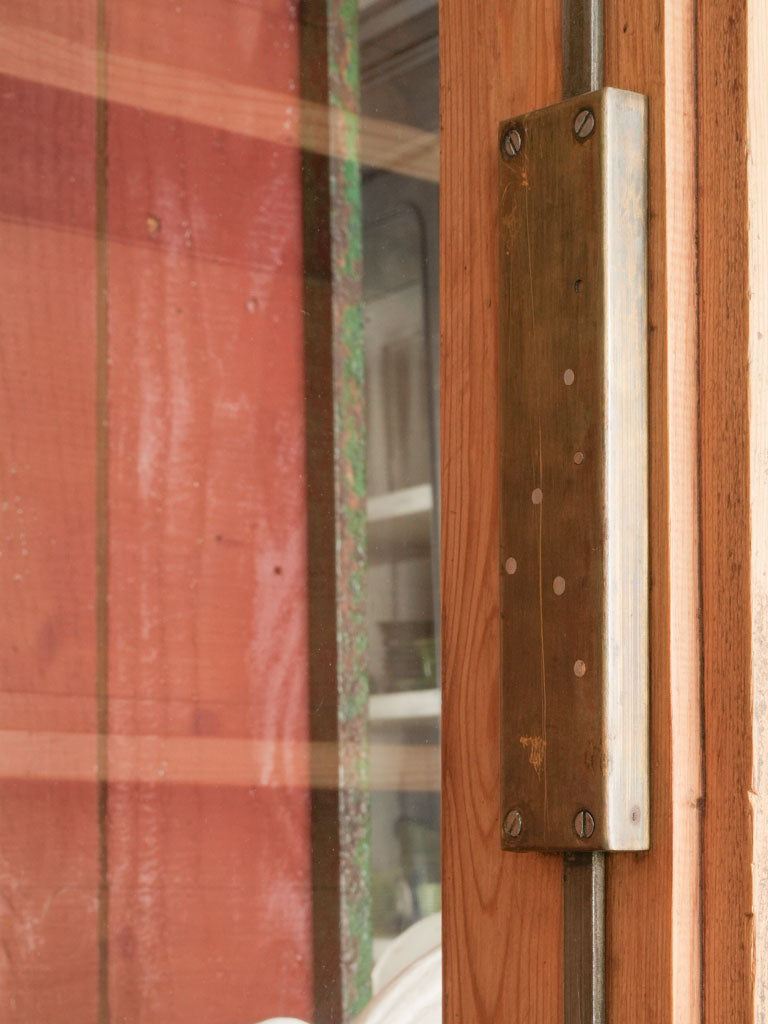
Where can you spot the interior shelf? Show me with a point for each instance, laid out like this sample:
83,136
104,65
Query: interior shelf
400,523
409,705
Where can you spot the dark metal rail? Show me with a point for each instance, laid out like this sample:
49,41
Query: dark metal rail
583,873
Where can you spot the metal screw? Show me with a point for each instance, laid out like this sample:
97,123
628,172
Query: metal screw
513,824
511,142
584,824
584,124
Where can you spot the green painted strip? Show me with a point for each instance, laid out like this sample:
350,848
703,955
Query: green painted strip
351,485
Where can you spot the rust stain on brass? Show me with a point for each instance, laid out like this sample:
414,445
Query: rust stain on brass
574,490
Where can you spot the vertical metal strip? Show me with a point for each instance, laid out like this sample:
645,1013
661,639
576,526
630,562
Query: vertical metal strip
584,938
583,874
582,46
102,509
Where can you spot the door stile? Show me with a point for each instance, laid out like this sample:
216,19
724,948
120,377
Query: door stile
653,970
733,227
503,912
502,917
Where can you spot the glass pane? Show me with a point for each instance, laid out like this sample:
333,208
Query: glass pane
219,573
399,62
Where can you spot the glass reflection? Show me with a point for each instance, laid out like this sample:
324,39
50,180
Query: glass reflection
219,697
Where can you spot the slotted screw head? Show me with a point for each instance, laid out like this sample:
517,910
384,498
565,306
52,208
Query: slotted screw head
511,142
584,824
513,824
584,124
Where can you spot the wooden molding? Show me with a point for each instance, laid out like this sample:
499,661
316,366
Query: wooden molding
653,965
733,304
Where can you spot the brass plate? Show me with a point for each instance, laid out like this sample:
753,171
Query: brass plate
574,493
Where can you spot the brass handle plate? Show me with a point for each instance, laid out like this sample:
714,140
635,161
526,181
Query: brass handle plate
574,465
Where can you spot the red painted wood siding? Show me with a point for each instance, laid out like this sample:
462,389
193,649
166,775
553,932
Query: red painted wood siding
209,902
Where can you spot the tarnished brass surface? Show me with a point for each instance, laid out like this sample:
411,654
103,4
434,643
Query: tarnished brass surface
573,554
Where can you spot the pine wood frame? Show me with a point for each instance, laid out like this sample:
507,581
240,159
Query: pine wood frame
686,921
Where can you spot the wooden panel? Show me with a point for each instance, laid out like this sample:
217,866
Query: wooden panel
502,923
191,898
733,232
48,885
207,532
653,965
757,212
502,926
48,828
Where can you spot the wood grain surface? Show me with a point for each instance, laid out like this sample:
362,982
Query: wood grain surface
206,516
652,900
49,871
49,866
733,232
502,918
757,212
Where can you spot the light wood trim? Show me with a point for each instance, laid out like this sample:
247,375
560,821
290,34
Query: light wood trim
652,904
502,917
757,212
502,913
39,56
733,230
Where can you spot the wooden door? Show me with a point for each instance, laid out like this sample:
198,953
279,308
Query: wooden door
686,922
151,626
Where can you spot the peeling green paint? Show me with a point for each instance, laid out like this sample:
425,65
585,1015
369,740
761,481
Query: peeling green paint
350,448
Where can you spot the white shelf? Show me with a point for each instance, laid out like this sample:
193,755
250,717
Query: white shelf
407,502
400,523
410,706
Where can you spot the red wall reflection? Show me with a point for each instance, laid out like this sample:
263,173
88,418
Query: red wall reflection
204,846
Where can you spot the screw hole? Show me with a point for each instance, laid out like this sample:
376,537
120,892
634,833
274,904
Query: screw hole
510,566
537,496
569,377
577,285
579,668
558,585
578,458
